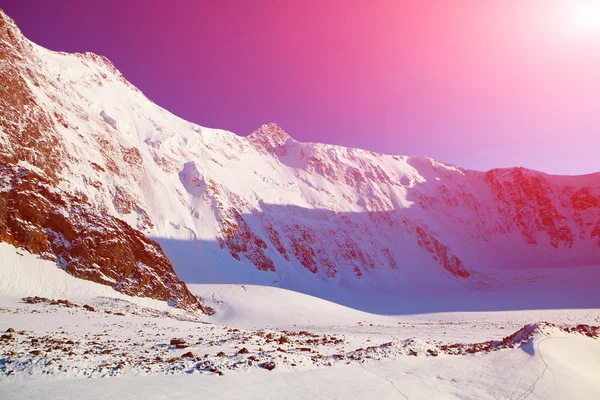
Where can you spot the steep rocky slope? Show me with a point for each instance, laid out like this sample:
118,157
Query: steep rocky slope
105,164
42,212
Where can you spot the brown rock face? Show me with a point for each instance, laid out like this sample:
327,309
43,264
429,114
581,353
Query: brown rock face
28,132
528,199
441,254
85,242
39,216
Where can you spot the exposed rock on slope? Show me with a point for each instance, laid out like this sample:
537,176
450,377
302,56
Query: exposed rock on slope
38,213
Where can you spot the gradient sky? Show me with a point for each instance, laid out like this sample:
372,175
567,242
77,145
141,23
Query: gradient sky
477,83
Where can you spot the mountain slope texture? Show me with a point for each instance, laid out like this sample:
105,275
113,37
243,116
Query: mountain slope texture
99,179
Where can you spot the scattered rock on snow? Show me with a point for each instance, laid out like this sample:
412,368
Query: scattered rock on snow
269,365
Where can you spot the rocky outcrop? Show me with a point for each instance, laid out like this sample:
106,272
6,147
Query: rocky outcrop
270,139
528,201
86,242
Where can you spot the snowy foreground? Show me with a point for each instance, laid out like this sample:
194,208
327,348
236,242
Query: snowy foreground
265,342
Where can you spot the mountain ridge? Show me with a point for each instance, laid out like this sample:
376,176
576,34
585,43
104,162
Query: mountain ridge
265,207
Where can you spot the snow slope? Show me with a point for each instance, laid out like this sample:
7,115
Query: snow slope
330,351
23,274
415,379
565,368
124,345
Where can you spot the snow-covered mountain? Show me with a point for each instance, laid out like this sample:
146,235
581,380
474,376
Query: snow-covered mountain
94,175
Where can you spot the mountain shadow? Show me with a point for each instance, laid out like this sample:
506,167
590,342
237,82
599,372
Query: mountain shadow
386,263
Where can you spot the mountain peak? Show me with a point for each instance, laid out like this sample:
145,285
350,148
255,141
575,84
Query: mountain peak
269,136
271,130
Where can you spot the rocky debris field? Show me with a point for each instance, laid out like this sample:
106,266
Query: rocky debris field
114,337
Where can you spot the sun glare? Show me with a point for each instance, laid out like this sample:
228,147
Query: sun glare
583,17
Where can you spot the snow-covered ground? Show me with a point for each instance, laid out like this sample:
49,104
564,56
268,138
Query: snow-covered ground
334,272
560,369
319,349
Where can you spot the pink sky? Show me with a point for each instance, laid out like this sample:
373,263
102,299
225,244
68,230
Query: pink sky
476,83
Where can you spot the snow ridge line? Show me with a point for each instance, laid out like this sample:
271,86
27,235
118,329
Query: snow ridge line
531,388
